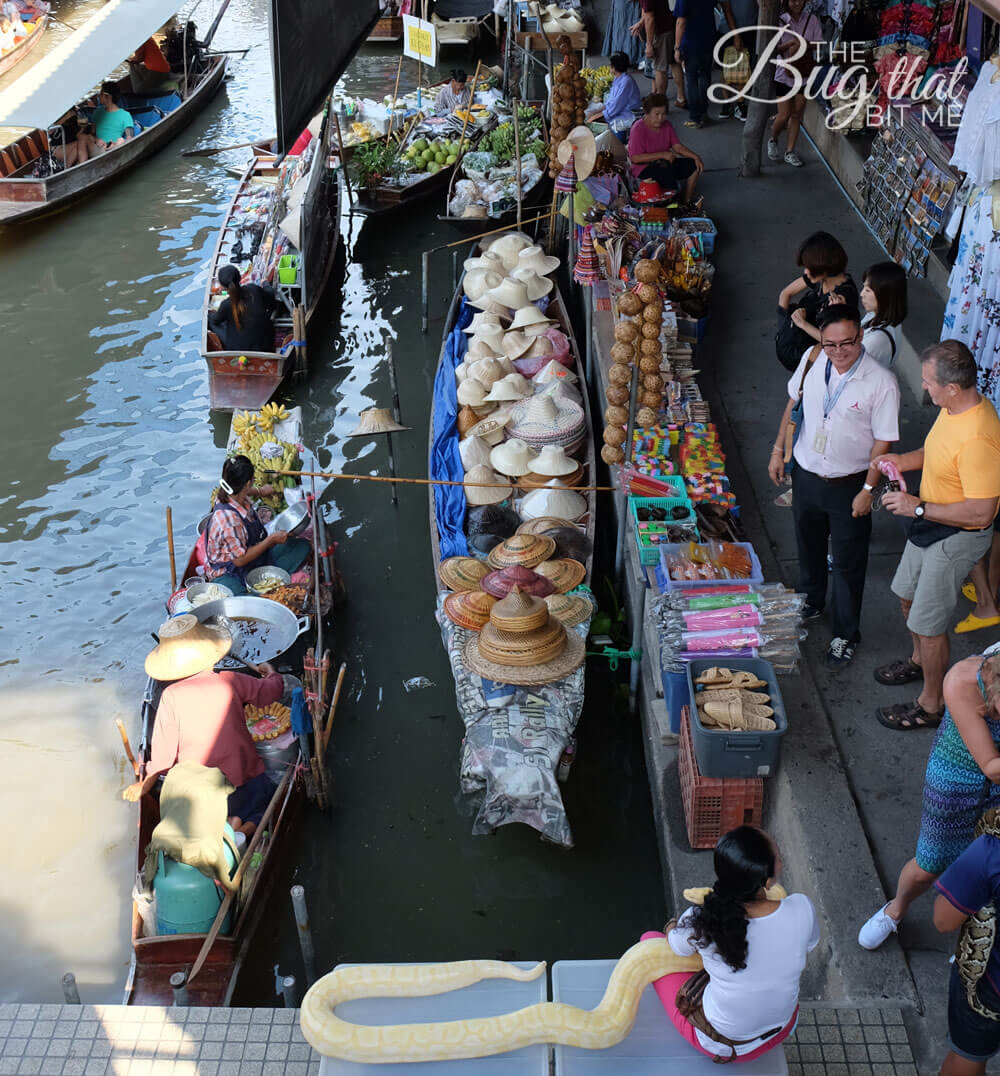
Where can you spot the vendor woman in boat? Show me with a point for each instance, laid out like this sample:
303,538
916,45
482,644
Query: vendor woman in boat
454,94
243,321
235,538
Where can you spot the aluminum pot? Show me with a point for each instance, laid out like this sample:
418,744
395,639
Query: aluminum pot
294,519
262,629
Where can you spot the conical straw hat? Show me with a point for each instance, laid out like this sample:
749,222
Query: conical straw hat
376,420
501,582
475,452
186,647
564,574
554,371
469,609
541,524
524,550
571,609
519,612
462,573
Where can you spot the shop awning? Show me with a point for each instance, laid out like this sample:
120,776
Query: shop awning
71,70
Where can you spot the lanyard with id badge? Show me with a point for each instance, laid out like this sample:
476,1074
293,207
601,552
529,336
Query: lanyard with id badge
830,402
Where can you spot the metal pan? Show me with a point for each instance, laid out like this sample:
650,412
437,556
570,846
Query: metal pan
294,519
262,629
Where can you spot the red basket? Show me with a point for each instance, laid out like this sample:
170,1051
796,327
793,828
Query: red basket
713,806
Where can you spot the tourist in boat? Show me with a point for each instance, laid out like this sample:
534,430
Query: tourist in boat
12,13
149,70
454,94
6,34
201,718
243,321
656,152
236,540
112,126
754,950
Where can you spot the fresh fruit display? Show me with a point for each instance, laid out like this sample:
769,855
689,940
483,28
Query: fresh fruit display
431,156
500,141
254,432
267,723
597,80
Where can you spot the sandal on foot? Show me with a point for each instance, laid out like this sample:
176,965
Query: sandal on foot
976,623
907,716
897,673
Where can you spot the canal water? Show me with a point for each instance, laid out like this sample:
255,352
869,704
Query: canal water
106,423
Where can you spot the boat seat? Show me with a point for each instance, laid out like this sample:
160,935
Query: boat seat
163,103
17,152
145,118
36,144
7,165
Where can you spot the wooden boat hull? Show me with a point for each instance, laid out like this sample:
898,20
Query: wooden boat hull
389,199
19,52
23,198
387,31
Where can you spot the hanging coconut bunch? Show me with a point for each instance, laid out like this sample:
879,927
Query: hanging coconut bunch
569,101
650,352
619,389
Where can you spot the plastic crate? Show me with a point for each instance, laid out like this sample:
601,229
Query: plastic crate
708,234
713,807
756,572
651,555
724,753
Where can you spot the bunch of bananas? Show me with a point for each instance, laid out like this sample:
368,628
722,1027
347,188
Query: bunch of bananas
245,422
270,414
598,81
268,722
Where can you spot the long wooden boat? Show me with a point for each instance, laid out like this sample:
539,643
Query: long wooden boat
387,31
241,380
24,197
532,196
29,41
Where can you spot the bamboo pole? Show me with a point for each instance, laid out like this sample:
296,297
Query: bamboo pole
170,549
395,94
343,158
517,155
468,113
486,235
434,481
333,707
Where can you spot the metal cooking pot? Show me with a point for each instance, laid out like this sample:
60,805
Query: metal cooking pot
294,519
262,629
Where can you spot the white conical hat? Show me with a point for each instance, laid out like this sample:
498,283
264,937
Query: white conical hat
554,499
554,371
475,452
559,390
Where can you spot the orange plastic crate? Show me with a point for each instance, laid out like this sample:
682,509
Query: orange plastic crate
713,806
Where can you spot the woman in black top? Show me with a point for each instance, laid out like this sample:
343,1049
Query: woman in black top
824,281
243,321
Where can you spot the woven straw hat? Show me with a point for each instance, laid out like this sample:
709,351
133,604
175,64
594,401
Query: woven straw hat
475,452
471,393
541,348
512,458
560,391
552,460
529,317
493,493
491,335
376,420
477,282
487,306
537,285
516,343
519,612
541,524
490,429
554,371
564,574
528,648
480,348
553,499
186,647
508,247
509,293
534,257
486,371
482,320
500,583
523,550
486,260
510,388
470,609
581,144
462,573
535,480
466,420
544,420
571,609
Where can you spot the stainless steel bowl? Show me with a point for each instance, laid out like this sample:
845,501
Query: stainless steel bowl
267,572
261,629
294,519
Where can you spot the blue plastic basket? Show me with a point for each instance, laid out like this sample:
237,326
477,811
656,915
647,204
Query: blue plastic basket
668,584
652,555
708,233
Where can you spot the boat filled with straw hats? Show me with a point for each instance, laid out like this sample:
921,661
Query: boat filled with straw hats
513,536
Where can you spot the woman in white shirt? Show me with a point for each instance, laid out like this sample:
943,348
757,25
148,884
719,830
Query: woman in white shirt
883,298
753,948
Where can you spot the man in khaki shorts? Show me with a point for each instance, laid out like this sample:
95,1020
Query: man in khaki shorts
656,25
951,526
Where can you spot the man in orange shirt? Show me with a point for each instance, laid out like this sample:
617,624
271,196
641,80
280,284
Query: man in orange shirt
149,70
951,528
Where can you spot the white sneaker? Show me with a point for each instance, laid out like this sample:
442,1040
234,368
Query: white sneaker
877,929
792,158
772,149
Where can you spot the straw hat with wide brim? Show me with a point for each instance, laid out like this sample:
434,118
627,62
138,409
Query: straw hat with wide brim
486,304
545,420
541,524
480,321
530,319
537,285
462,573
509,246
483,486
554,461
515,343
186,647
486,260
477,282
534,257
469,609
512,294
567,661
490,429
553,499
533,479
524,550
376,420
541,348
560,392
512,458
491,336
580,142
510,388
571,609
563,573
471,393
502,581
486,371
481,348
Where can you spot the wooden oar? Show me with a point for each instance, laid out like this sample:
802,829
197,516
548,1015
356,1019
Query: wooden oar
127,745
211,151
333,706
238,877
170,549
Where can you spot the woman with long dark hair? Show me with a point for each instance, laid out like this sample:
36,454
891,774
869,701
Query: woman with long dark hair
753,948
235,539
243,321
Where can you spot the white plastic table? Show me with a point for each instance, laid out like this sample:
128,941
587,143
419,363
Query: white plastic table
654,1045
491,997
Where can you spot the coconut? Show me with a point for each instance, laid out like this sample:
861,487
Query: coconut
652,382
617,395
610,454
650,331
616,416
626,331
652,313
651,349
646,293
649,364
629,304
647,271
650,399
623,353
645,417
620,374
614,435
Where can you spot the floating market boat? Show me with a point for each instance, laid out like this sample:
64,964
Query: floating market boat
516,736
35,17
387,31
50,97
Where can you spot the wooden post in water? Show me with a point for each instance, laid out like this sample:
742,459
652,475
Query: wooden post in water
70,992
170,549
343,158
178,983
305,934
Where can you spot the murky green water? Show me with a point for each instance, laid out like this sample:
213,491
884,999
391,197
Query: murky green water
106,423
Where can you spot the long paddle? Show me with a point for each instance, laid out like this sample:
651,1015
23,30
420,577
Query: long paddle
215,25
211,151
238,876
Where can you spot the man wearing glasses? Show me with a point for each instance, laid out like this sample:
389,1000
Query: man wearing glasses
850,416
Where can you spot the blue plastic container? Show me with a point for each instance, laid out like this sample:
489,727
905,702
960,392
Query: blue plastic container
187,901
651,554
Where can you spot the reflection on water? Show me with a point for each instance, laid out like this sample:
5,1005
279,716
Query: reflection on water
106,403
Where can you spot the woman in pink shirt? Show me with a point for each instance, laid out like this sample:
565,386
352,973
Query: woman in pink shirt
657,154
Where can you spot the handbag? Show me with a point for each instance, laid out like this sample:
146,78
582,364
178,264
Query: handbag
689,1005
736,66
794,426
925,532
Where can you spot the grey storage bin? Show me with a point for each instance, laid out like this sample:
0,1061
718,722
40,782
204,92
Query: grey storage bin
721,753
